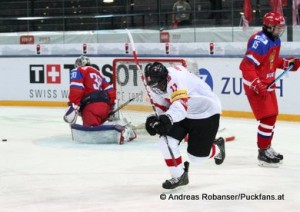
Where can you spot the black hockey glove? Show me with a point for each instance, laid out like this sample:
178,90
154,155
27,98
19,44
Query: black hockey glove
163,125
149,123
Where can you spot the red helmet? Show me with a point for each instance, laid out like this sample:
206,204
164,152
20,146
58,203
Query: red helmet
273,18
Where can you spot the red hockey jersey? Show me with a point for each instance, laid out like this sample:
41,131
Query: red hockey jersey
85,80
261,59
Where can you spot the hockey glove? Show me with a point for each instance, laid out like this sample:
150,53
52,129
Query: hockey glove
71,114
291,61
260,88
163,125
149,123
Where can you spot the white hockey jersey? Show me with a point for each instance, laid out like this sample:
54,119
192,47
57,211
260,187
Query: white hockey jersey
187,96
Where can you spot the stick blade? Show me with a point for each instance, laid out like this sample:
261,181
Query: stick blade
230,138
226,134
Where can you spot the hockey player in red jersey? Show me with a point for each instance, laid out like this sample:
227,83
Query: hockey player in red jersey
258,70
185,105
89,93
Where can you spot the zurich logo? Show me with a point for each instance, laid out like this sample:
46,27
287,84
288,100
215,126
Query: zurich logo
206,77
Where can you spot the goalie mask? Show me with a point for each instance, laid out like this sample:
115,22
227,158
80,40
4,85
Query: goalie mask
156,77
82,61
273,25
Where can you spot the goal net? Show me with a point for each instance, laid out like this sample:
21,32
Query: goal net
128,84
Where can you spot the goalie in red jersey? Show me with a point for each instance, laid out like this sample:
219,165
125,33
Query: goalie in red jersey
259,69
89,94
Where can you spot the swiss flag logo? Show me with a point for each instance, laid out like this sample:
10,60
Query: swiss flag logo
53,73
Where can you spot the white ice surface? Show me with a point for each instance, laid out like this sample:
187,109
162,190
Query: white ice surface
42,169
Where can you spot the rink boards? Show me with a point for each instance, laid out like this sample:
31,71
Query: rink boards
44,81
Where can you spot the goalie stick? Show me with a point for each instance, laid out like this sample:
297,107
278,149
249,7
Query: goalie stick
124,104
134,53
70,115
280,75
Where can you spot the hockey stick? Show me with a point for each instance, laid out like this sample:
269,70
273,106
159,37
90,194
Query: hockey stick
280,75
124,104
228,138
72,133
73,121
146,87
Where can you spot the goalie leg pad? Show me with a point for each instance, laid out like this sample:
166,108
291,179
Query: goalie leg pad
127,135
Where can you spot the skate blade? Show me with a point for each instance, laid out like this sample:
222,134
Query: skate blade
268,165
179,189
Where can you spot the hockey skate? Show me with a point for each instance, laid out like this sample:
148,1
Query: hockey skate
180,181
276,154
266,158
219,158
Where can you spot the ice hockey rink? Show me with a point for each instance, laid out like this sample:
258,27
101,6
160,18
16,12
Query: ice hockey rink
42,169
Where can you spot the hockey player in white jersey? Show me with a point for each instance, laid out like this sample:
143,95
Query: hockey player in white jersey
185,105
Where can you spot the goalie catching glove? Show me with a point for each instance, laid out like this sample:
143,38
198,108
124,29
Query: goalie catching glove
71,114
158,125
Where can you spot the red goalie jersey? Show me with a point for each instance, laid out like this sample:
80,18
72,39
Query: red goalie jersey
92,93
85,80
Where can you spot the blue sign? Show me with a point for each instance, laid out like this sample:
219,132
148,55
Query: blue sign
206,77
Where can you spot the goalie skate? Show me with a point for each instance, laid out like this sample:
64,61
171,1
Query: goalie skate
267,159
180,181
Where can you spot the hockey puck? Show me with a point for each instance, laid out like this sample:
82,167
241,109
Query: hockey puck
4,140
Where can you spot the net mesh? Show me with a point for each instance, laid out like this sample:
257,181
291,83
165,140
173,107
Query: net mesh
128,83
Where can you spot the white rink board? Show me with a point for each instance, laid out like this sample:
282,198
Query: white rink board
52,73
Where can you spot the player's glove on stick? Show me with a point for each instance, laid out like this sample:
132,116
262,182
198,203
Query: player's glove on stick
163,125
149,123
291,61
259,88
